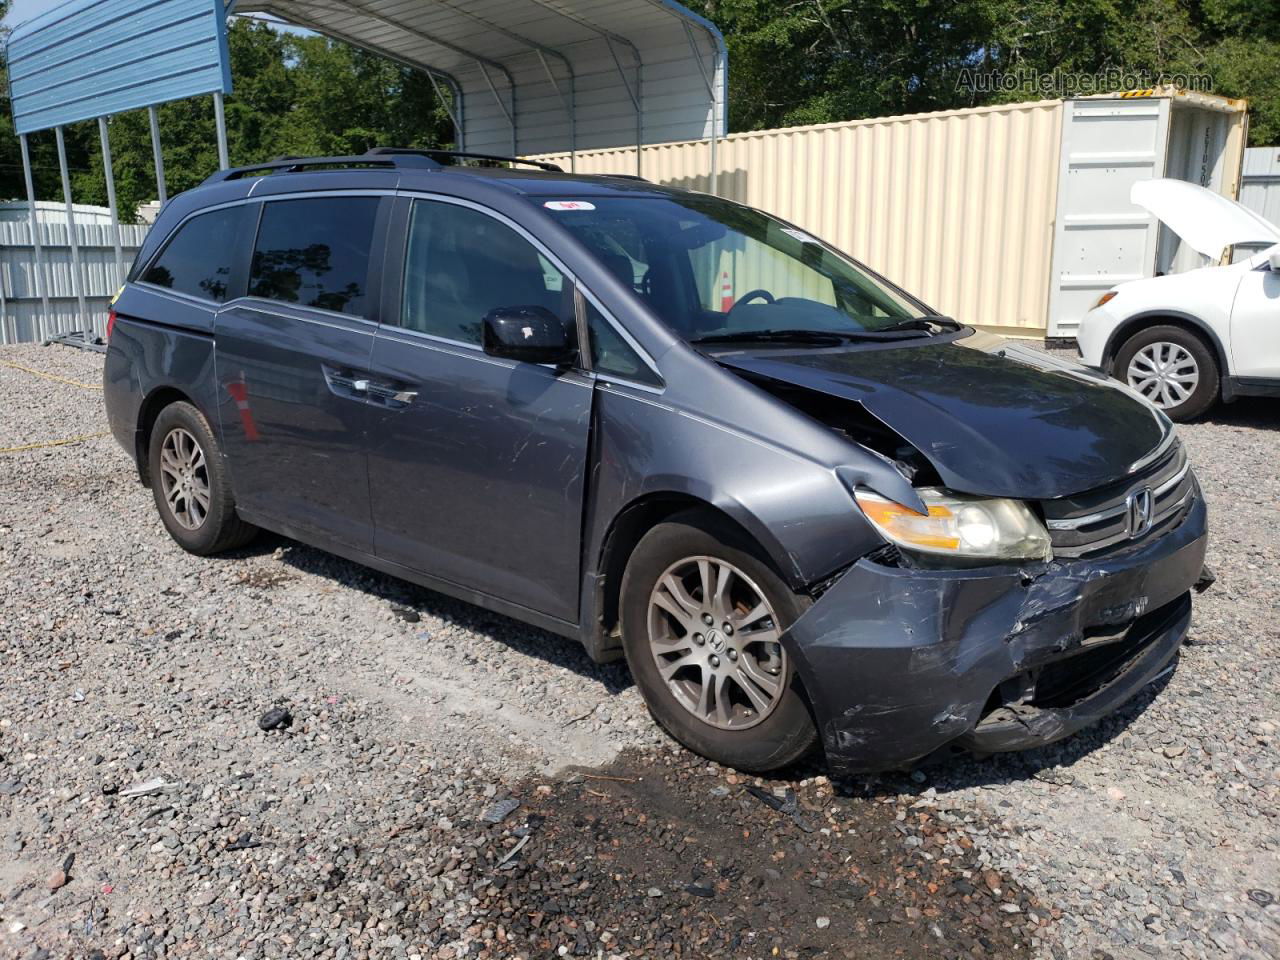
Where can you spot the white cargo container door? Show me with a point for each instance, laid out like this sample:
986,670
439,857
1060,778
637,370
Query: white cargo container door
1100,238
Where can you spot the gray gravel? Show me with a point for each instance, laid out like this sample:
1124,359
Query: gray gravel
123,660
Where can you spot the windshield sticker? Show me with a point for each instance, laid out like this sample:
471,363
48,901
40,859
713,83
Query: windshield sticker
799,235
569,205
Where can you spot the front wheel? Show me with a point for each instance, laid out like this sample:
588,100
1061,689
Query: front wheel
702,618
1172,367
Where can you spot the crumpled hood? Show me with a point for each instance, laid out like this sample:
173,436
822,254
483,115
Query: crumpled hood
992,417
1206,221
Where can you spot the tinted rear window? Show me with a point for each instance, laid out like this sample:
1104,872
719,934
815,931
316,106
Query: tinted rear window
197,261
315,253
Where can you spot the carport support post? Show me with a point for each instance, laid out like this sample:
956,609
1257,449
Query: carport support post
220,115
77,275
38,279
162,192
109,173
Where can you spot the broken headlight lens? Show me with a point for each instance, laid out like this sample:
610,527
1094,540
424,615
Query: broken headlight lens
960,526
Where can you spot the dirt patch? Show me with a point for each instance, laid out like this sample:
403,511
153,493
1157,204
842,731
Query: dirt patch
667,857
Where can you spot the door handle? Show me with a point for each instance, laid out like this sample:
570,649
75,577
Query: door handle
392,395
345,383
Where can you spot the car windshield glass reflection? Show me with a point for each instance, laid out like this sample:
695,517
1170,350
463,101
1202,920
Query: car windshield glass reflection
714,270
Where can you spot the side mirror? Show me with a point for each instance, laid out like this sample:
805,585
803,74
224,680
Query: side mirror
1274,259
530,334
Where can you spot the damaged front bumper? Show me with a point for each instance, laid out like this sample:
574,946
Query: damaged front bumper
901,662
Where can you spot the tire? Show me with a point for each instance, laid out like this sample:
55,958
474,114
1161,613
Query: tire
746,735
200,516
1184,355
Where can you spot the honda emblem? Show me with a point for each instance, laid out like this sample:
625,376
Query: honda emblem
1139,507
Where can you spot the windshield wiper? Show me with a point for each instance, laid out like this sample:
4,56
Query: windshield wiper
773,336
933,323
829,338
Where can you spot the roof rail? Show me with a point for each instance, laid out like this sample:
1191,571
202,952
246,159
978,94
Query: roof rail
297,164
461,155
377,157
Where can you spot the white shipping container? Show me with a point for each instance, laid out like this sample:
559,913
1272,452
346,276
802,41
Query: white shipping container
1109,144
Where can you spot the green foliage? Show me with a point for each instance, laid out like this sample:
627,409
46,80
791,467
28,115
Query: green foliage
294,96
820,61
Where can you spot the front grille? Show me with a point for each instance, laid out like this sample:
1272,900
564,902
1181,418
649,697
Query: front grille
1093,521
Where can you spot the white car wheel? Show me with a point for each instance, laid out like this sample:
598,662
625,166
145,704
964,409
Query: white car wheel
1165,373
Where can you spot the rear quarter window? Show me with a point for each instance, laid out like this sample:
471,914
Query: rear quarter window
198,258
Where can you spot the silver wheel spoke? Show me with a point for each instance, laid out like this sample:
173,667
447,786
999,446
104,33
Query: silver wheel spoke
760,610
678,593
757,697
703,708
679,613
722,700
704,578
720,599
670,668
753,673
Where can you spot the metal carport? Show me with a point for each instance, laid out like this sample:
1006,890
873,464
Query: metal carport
544,76
525,76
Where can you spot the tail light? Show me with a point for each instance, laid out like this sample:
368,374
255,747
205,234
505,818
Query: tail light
111,313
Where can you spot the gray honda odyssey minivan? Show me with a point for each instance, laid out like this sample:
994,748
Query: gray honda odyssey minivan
805,508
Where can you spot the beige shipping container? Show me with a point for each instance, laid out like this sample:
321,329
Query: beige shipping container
958,207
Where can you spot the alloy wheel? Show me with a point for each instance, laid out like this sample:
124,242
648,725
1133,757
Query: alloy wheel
1165,373
184,478
715,639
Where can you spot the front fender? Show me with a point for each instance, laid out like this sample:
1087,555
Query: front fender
799,511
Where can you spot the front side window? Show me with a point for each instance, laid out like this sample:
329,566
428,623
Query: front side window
460,264
708,267
315,252
197,261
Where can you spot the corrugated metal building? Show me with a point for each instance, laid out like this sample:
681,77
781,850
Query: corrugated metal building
1260,187
22,314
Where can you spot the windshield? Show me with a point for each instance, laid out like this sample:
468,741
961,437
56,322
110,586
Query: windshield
712,269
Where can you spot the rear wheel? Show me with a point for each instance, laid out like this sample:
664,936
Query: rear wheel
190,483
702,617
1172,367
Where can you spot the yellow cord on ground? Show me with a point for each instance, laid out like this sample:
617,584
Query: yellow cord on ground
50,376
55,443
57,379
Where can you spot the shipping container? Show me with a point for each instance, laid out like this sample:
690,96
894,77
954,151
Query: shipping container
1109,144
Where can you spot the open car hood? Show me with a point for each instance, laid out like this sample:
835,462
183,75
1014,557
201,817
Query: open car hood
1206,221
993,418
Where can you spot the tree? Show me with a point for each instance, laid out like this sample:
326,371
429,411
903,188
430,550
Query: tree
818,61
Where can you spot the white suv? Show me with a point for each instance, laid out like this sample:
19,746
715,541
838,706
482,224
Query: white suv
1185,340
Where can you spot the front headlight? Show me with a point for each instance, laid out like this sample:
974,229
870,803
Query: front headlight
960,526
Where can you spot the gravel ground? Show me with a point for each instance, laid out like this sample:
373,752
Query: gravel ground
358,829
